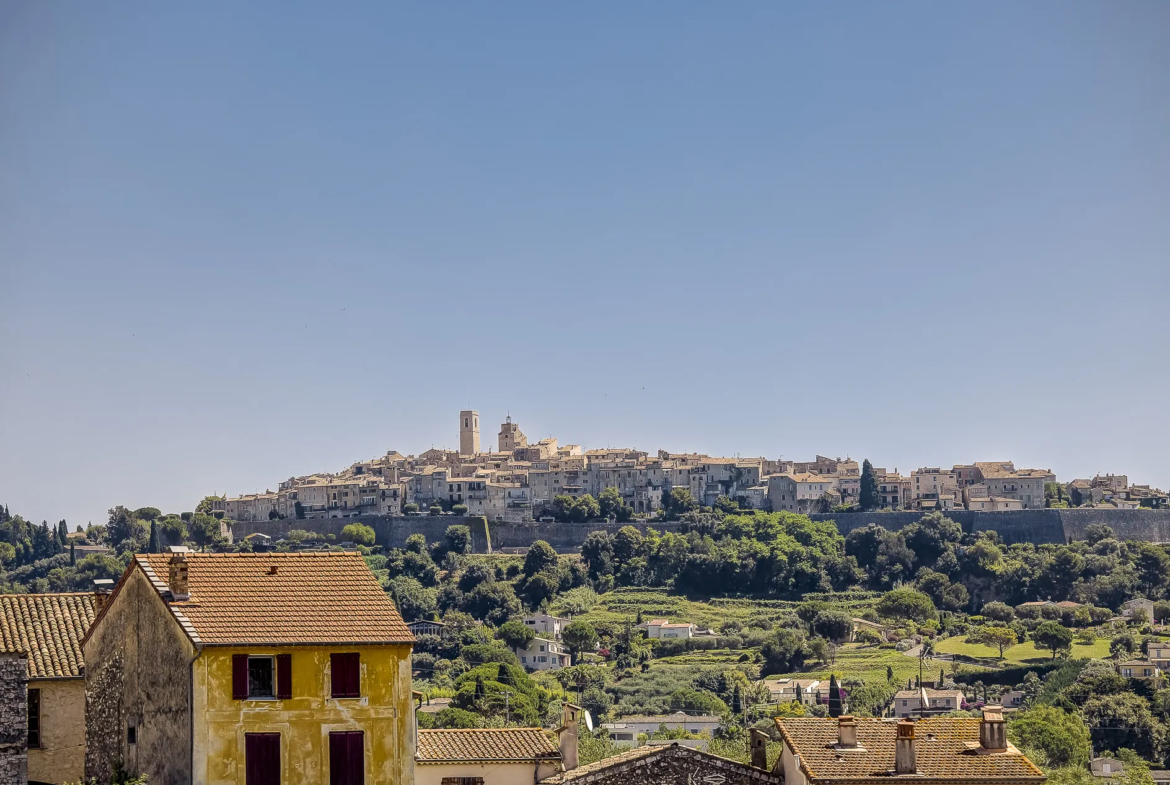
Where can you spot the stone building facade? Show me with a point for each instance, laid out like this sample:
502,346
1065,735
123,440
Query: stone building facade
13,718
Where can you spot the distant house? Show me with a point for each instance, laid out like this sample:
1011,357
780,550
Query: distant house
427,627
625,730
866,624
543,654
546,626
662,628
807,691
1012,699
485,756
925,702
1107,767
1128,608
1140,669
1159,654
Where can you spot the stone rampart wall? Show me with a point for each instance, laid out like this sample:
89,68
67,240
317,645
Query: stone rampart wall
1035,526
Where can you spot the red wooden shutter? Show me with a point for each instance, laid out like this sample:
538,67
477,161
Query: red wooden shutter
262,759
284,676
347,765
239,676
346,675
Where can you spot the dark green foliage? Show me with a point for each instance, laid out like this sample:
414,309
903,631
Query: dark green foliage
869,498
458,539
834,697
539,558
1052,636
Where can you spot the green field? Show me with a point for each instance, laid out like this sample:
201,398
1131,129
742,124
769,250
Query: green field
621,605
868,664
1020,654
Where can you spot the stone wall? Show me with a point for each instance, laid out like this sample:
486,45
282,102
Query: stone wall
61,757
392,531
138,674
1035,526
13,719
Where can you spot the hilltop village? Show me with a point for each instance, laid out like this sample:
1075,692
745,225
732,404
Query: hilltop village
734,644
519,481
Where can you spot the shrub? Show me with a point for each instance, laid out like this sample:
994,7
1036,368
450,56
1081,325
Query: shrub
358,533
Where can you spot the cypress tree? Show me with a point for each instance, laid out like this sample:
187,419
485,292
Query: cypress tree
72,554
737,701
834,697
154,546
869,489
62,533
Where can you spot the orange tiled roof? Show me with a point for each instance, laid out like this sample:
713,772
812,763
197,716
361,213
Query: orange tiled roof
48,628
644,764
484,744
943,747
280,598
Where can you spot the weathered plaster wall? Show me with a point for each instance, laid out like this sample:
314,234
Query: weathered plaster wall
305,721
13,719
495,773
137,673
61,757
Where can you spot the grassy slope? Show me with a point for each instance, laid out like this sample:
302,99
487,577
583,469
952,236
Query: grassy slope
623,604
1023,653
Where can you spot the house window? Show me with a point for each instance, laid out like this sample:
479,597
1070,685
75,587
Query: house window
34,719
261,683
345,675
347,758
262,759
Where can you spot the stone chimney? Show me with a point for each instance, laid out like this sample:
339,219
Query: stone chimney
567,735
993,730
758,748
177,580
847,731
102,588
905,760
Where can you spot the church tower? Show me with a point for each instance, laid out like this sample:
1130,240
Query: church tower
469,433
510,437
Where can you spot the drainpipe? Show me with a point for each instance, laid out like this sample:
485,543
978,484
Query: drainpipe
191,709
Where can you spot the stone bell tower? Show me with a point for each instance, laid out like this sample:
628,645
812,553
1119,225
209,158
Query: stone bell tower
469,433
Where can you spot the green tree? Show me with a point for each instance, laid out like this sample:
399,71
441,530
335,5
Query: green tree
357,533
907,604
679,502
1062,738
458,538
1051,635
516,634
869,498
584,508
155,546
579,636
539,558
1002,638
1125,720
414,600
834,697
835,626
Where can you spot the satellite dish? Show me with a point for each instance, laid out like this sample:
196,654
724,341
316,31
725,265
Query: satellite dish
588,720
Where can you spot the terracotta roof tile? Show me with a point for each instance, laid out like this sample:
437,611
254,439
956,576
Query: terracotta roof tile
281,598
48,628
484,744
633,766
943,747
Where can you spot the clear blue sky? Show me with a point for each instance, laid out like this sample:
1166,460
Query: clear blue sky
244,241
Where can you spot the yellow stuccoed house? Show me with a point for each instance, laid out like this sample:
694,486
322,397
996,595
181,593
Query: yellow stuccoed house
249,669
